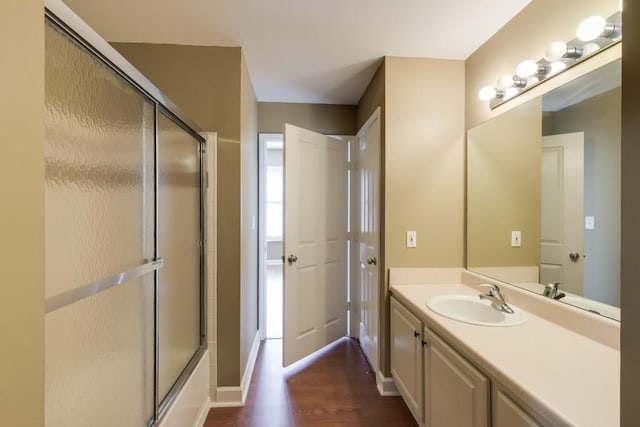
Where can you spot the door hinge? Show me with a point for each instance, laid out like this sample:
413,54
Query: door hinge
348,305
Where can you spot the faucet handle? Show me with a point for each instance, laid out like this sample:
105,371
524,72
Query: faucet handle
493,289
551,289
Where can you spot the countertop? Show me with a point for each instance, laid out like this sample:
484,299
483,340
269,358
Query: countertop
568,378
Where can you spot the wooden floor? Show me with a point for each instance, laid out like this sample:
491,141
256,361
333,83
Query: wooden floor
333,388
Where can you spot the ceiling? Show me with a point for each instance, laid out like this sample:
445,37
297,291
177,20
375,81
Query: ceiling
304,50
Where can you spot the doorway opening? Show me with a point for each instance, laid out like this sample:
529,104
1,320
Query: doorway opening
273,219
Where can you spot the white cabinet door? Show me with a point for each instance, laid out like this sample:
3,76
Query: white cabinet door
456,393
406,357
507,413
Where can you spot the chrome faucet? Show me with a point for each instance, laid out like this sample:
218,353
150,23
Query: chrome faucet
551,291
497,299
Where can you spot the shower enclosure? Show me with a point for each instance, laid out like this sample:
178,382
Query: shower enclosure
124,240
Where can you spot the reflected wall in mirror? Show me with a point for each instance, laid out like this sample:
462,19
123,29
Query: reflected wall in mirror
550,170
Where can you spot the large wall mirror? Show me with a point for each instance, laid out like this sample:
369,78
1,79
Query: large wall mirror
543,193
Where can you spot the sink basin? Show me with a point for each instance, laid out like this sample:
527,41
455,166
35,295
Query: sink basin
471,309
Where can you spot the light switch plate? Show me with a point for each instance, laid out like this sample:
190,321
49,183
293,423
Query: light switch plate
412,239
516,239
589,222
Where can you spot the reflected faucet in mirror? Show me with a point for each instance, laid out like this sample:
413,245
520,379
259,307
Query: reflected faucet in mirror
551,291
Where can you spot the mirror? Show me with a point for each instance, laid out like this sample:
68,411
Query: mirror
543,193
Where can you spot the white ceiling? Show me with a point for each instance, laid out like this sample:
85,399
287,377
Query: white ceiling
317,51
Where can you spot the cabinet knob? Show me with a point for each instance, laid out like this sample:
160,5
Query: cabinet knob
416,333
424,343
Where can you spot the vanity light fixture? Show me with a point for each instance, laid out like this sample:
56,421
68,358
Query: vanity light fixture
508,81
531,68
594,33
597,26
488,93
559,50
556,67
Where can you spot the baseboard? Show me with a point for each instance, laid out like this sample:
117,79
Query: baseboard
237,395
251,363
386,386
228,397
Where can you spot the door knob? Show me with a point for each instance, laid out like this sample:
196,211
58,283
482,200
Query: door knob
574,256
292,258
372,261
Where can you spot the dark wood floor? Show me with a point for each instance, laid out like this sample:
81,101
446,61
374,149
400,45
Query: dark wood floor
333,388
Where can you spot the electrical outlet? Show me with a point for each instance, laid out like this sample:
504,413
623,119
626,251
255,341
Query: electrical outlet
412,239
516,239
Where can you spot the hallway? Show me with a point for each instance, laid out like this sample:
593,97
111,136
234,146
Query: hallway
331,388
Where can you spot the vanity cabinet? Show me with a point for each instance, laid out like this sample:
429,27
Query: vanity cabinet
507,413
406,357
456,393
440,386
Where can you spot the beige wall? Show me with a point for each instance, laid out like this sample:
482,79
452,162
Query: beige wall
423,168
249,209
206,83
22,215
424,161
322,118
630,344
524,37
372,98
503,188
203,81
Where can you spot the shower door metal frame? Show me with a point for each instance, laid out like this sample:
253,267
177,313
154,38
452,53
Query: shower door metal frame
58,14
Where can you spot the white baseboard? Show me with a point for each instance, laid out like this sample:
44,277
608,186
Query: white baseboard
251,363
386,386
237,396
228,397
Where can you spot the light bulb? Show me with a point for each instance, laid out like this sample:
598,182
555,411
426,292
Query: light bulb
527,68
505,82
557,66
591,28
555,51
590,48
532,80
512,91
487,93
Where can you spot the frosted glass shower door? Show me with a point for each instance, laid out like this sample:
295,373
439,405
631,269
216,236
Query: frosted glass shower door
179,222
99,223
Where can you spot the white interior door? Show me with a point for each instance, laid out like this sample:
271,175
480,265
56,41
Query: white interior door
315,242
562,211
368,235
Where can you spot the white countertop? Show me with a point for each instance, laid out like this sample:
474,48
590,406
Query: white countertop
569,379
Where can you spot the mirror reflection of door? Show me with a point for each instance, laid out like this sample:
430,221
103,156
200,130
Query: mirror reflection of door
562,211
